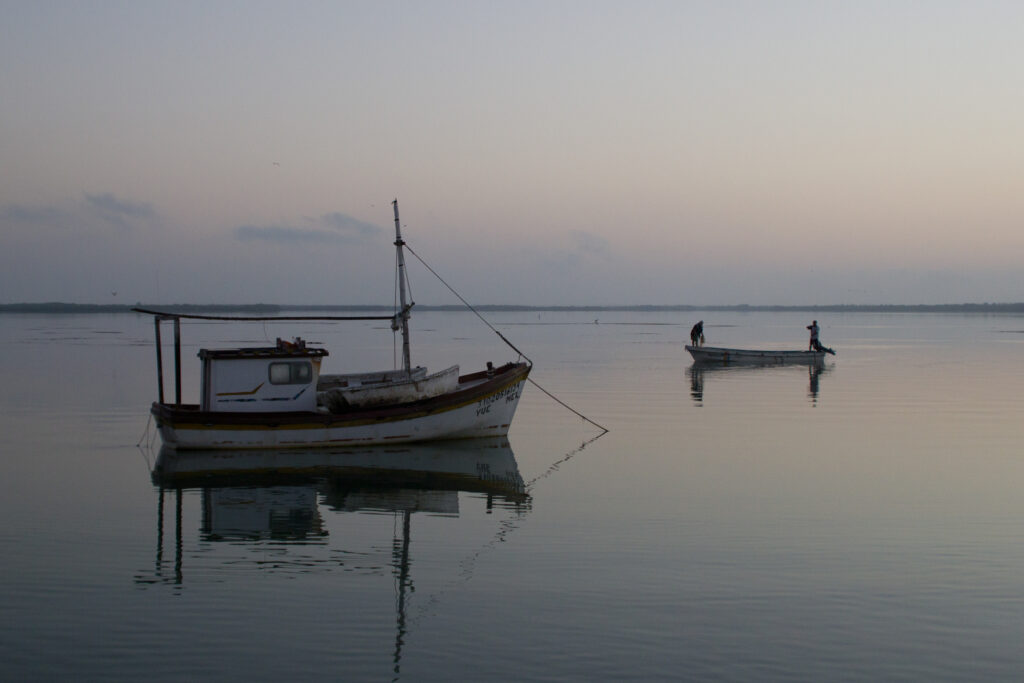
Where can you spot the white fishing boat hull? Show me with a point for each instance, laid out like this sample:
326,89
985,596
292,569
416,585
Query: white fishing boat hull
724,356
482,406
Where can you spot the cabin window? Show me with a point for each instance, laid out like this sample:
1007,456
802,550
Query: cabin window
291,373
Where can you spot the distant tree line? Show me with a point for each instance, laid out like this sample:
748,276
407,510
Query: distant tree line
270,309
60,307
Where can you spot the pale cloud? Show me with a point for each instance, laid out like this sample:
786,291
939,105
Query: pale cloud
111,205
330,228
584,249
348,225
21,215
282,234
590,243
95,213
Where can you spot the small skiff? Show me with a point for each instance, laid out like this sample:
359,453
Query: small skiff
723,356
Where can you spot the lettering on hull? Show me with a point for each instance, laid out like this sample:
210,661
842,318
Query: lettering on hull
508,394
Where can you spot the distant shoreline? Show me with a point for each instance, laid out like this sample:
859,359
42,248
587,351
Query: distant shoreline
270,309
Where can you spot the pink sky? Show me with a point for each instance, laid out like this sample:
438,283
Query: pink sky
543,153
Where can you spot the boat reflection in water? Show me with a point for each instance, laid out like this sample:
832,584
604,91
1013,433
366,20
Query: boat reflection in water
698,372
276,494
282,502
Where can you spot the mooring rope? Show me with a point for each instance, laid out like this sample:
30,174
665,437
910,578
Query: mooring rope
504,339
554,467
505,528
145,433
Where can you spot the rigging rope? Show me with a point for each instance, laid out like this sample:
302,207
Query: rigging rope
510,344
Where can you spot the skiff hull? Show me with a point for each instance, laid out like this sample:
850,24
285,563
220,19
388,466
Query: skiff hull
722,356
482,405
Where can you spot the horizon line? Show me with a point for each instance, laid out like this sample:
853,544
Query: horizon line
965,307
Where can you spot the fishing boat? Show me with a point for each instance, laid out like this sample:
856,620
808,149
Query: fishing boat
277,397
724,356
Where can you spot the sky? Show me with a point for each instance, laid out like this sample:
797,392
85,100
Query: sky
542,151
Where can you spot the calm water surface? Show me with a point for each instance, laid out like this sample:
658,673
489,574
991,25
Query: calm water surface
861,522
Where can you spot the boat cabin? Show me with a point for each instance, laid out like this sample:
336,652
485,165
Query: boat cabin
279,378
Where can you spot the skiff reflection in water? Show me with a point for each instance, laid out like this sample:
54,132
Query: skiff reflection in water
699,371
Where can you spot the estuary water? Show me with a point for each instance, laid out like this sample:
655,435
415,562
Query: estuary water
861,521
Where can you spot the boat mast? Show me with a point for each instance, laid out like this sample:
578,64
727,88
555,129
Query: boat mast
404,314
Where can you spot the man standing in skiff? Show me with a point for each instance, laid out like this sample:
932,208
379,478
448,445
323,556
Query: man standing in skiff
697,334
813,344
